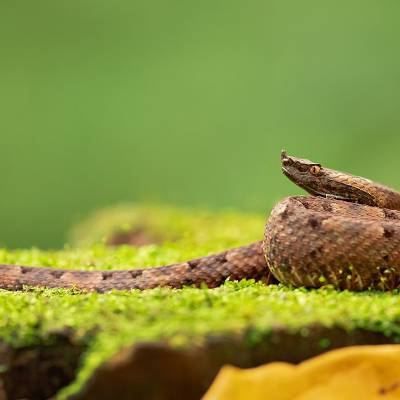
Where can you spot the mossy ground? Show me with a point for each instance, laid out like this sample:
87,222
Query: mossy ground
105,323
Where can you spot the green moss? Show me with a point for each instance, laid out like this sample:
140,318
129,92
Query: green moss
106,322
324,343
170,224
187,234
186,316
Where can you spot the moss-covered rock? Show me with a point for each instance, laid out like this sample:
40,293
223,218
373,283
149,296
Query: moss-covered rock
140,224
243,314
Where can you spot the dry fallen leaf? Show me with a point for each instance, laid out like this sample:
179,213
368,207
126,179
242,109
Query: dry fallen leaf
359,372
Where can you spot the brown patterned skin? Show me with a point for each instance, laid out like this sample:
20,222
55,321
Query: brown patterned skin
347,236
315,241
235,264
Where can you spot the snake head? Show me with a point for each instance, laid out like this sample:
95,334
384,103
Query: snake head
325,182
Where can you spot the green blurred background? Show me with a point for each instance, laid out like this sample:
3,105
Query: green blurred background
187,103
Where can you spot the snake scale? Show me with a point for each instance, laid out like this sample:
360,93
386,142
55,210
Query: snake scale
347,234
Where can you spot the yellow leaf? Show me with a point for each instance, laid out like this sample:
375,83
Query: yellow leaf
360,372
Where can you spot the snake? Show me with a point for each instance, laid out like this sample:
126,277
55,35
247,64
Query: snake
345,234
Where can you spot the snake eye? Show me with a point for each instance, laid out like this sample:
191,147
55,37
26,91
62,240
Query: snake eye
315,169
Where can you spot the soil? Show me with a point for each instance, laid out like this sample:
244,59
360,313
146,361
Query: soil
38,372
155,371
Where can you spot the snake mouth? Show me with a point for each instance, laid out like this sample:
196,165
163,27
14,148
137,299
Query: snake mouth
326,195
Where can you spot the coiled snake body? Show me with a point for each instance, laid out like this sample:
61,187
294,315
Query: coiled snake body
347,235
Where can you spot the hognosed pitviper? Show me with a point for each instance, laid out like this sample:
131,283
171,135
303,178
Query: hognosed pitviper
347,234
